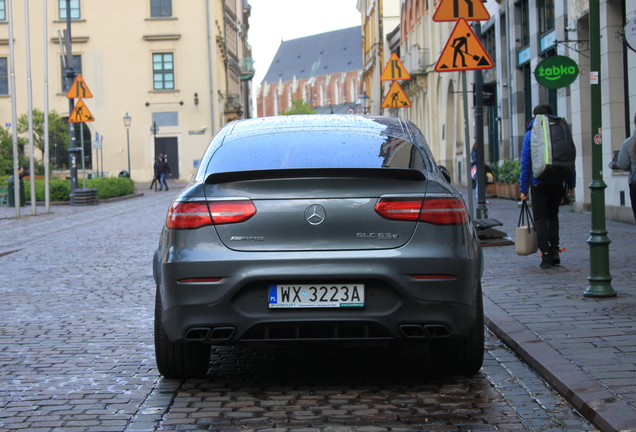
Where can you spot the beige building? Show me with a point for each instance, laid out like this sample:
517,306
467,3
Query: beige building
182,65
379,18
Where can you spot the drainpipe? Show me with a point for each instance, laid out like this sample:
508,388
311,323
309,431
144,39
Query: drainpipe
210,66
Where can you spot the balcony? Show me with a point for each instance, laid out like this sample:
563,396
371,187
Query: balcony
247,69
416,60
232,104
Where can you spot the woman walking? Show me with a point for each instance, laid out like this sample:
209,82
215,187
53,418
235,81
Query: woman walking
627,162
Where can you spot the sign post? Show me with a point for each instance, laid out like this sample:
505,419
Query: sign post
394,71
463,52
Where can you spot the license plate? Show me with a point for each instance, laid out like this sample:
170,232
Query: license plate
316,296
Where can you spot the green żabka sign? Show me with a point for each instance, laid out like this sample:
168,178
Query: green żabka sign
556,72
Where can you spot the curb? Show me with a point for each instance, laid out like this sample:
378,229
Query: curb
592,399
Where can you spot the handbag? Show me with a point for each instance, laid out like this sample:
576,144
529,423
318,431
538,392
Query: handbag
527,242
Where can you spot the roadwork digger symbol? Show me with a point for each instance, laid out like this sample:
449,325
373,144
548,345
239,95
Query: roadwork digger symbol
463,46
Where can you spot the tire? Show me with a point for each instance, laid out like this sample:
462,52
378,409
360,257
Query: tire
178,360
462,356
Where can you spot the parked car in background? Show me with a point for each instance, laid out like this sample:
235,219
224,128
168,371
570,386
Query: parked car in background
318,228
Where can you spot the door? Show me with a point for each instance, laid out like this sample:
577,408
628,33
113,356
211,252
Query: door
169,149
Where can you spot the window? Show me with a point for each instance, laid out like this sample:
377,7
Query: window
290,97
4,76
3,10
77,67
490,42
306,93
545,9
337,97
163,71
75,9
160,8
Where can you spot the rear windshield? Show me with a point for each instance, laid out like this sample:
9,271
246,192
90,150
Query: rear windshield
314,149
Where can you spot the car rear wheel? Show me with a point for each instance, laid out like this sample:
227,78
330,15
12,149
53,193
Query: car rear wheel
463,356
178,360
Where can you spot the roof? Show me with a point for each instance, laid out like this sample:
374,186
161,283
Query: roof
321,54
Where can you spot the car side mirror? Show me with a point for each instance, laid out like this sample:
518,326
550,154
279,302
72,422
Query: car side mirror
444,172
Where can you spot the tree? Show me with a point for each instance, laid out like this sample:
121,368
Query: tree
299,106
58,128
6,152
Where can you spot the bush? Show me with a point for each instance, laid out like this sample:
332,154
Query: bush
111,187
507,172
61,189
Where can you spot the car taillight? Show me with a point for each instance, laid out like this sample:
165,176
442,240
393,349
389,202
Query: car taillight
225,212
436,211
193,215
407,209
444,211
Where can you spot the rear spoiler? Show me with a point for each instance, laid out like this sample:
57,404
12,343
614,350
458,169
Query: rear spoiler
376,173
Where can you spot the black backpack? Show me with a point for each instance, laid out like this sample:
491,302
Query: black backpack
552,148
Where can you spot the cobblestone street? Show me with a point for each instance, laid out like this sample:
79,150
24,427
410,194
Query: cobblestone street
76,352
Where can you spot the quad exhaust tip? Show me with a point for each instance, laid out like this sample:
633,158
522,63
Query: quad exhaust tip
206,334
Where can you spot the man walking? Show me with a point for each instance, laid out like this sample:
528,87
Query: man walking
164,169
546,198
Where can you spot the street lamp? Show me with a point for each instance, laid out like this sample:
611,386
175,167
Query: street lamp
127,120
365,103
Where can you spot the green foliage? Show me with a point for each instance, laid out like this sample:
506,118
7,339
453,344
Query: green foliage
299,106
58,128
507,172
107,187
111,187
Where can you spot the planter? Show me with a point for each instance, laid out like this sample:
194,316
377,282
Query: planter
507,191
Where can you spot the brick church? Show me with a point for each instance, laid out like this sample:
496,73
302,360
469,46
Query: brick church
324,70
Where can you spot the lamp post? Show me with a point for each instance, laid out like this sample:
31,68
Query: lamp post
365,103
127,120
154,129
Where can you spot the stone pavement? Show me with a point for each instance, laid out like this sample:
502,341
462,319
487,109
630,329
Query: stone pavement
584,347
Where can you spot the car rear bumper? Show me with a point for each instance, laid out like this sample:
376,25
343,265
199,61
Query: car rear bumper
398,307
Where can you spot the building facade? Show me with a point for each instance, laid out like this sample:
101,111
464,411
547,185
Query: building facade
170,65
323,70
379,18
517,37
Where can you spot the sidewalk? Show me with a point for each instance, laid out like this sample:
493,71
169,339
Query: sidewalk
584,347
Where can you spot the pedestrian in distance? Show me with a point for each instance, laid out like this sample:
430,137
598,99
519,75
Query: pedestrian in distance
627,162
164,170
24,172
473,168
546,198
155,175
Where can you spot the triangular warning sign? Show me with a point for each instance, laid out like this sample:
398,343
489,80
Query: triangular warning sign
79,89
463,51
396,98
394,70
80,113
452,10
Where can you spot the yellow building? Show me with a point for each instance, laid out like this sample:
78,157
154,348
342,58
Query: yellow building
180,65
379,17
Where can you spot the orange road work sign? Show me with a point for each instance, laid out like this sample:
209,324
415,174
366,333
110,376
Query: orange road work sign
396,98
463,51
394,70
80,113
79,89
452,10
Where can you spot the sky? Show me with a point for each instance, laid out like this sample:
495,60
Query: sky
274,20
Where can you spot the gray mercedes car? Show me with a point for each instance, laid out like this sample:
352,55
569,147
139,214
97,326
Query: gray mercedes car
314,229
